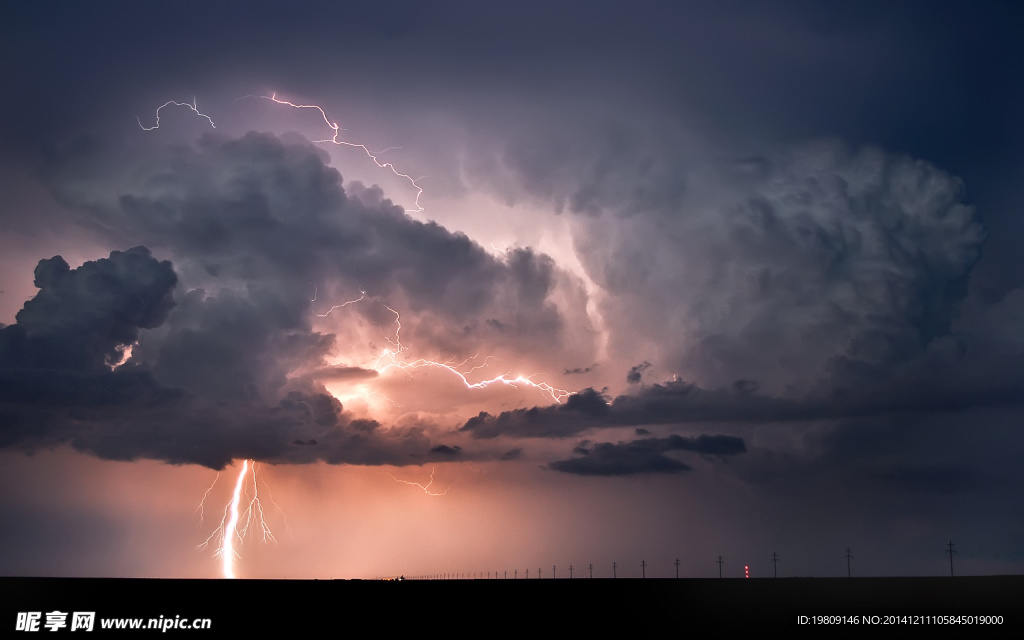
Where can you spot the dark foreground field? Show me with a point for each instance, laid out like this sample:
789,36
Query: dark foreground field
483,607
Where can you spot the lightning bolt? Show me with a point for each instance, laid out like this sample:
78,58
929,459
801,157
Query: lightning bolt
191,106
425,487
229,532
228,550
556,394
389,359
339,306
202,503
284,516
334,139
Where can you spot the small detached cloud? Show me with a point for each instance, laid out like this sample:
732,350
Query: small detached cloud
636,373
644,456
443,451
579,370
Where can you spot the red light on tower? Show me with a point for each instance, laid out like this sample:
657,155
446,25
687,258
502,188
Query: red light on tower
746,571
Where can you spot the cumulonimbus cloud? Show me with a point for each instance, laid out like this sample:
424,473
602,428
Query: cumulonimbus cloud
225,361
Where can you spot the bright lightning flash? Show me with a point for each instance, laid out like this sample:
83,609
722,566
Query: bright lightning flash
237,522
389,359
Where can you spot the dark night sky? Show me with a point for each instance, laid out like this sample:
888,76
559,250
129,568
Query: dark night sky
773,250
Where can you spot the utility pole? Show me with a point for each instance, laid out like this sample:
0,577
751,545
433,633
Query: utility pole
515,574
615,573
951,551
538,573
506,575
775,561
591,569
677,568
554,572
527,574
849,554
643,568
720,562
570,572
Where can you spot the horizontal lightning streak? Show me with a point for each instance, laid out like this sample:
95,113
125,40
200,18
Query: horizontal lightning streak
558,395
388,359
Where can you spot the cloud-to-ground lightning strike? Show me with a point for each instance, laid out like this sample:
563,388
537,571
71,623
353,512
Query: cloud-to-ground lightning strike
228,548
190,105
334,140
230,530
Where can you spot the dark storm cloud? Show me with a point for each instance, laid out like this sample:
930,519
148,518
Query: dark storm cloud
770,270
443,451
59,384
669,403
271,213
341,372
234,345
580,411
644,456
81,318
225,363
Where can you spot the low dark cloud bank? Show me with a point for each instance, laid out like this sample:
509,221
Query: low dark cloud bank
939,383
